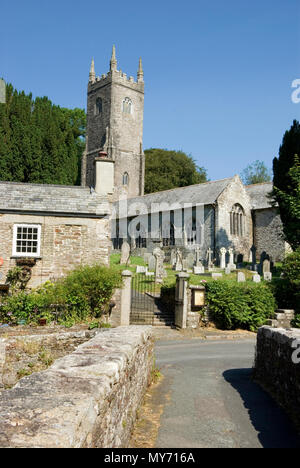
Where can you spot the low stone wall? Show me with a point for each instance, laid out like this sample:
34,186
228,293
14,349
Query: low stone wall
277,367
86,399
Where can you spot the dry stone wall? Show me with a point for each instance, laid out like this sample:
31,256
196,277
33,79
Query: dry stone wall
86,399
277,366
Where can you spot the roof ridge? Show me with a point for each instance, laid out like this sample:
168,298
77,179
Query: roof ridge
184,187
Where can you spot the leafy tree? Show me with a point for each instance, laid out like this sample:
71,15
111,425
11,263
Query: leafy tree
170,169
286,191
256,173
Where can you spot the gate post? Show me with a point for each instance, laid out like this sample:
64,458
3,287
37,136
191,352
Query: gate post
181,299
126,298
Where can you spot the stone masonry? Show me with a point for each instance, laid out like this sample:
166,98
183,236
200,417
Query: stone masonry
84,400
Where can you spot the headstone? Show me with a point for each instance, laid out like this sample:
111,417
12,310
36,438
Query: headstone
267,276
231,263
199,270
190,260
151,263
125,253
146,257
256,278
209,258
227,271
149,273
173,257
223,258
253,258
160,272
215,276
179,262
141,269
241,277
266,266
198,257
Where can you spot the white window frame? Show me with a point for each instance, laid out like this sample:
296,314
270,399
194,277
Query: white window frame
26,254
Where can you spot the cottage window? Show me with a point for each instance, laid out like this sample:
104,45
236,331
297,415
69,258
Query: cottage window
26,240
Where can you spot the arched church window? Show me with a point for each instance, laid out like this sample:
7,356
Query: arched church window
98,106
237,220
127,106
125,179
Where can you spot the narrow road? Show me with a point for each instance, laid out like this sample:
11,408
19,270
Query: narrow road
212,401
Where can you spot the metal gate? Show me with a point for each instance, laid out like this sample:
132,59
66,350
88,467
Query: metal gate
143,299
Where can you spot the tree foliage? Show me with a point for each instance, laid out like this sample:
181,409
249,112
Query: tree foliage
256,173
39,142
170,169
286,191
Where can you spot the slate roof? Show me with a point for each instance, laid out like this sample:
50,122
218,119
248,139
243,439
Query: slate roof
51,199
206,193
258,195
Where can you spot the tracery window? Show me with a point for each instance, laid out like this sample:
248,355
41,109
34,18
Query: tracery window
125,178
237,221
98,106
127,106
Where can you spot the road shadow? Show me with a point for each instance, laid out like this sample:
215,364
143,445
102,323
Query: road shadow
274,428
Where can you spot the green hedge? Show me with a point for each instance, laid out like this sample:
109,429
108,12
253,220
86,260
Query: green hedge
287,289
239,305
84,293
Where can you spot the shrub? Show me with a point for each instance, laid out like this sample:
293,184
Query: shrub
239,305
84,292
288,290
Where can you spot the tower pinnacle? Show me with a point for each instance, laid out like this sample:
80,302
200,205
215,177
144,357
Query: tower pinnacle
92,75
140,73
113,60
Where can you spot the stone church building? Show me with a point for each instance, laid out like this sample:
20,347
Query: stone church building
50,229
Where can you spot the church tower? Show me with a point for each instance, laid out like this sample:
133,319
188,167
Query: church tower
115,108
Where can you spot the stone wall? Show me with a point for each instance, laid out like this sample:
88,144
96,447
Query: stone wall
65,244
86,399
268,234
275,370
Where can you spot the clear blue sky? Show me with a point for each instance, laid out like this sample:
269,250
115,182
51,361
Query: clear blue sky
218,73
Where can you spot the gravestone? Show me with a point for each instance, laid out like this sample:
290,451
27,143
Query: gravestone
160,272
253,258
125,253
223,258
141,269
231,263
179,261
241,277
146,257
267,276
256,278
216,276
266,266
173,257
198,257
209,253
227,271
199,270
190,260
151,263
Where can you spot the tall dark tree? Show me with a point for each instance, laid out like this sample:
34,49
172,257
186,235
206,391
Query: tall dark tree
286,181
40,142
170,169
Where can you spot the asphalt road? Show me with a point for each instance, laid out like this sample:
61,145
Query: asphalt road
212,401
